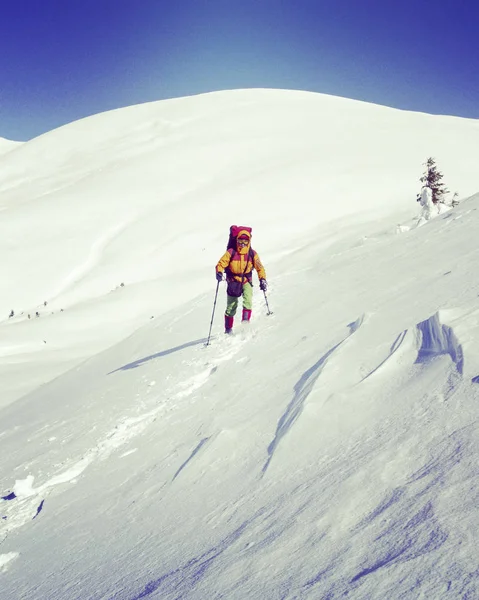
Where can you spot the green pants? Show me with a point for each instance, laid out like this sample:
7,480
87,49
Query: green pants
232,301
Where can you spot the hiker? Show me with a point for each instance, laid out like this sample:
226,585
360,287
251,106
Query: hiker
12,314
238,263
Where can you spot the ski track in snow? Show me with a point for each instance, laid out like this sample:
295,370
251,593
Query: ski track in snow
224,349
26,501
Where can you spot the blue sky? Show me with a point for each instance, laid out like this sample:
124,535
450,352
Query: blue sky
61,60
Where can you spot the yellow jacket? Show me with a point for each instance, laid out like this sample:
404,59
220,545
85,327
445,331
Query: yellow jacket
236,261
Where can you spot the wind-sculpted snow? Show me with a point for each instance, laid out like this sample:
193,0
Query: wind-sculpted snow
403,535
406,527
432,340
436,340
302,389
406,540
403,528
180,582
190,458
396,346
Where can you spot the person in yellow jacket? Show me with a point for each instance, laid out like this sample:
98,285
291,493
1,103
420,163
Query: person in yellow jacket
238,264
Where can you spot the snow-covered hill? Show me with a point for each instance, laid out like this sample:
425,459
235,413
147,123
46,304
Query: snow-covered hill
327,449
8,145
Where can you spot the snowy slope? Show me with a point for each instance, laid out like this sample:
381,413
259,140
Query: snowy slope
129,195
8,145
329,448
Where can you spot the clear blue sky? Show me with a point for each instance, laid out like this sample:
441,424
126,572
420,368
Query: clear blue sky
61,60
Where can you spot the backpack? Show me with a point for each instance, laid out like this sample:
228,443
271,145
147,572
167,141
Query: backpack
231,247
234,230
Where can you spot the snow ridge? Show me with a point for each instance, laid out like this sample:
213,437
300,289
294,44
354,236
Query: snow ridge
302,389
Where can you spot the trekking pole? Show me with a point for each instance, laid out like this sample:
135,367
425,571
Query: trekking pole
267,305
213,315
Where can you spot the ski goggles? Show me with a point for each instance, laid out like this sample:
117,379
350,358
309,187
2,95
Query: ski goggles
243,241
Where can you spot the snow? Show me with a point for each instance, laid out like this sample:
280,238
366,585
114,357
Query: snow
324,450
8,145
429,210
5,559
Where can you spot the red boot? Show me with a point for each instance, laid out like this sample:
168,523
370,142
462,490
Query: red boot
229,324
246,314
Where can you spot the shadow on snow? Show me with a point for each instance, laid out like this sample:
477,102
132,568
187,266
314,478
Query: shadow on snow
137,363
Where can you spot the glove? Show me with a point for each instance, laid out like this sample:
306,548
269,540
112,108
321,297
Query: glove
263,285
219,276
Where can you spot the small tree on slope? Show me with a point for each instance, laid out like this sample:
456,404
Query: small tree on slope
432,178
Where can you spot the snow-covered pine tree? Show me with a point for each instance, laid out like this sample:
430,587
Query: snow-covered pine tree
432,178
